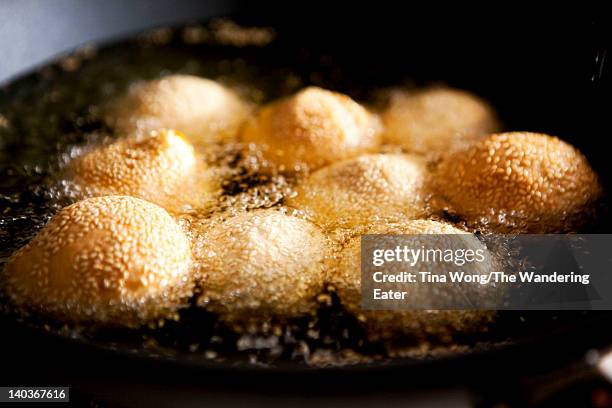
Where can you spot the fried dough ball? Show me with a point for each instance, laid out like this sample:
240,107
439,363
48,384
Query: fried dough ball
262,264
160,167
436,120
533,181
314,127
202,109
397,326
366,189
113,260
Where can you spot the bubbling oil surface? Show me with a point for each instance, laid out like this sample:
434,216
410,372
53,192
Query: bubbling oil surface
52,116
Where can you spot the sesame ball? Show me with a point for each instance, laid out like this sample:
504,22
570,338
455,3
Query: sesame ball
397,326
533,180
112,260
436,120
261,265
312,128
369,188
204,110
160,167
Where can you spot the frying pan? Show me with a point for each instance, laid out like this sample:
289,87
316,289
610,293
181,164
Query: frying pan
542,74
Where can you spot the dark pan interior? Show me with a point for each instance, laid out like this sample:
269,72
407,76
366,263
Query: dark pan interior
541,75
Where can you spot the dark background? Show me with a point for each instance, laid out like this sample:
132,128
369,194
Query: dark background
543,69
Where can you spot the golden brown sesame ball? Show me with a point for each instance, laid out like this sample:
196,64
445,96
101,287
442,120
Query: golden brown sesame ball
314,127
533,180
369,188
261,265
202,109
436,120
113,260
400,325
160,167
